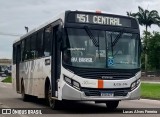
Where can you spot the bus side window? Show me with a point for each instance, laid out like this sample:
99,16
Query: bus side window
40,50
23,50
47,41
33,51
14,54
27,49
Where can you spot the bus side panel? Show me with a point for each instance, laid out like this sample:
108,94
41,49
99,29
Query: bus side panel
34,74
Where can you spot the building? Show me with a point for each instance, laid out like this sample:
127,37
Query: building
5,62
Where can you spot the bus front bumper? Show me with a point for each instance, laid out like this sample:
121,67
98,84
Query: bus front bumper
70,93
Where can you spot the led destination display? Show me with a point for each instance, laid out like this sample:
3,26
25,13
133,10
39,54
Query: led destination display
101,19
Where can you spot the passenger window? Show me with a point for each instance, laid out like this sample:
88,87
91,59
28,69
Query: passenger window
18,53
23,50
47,41
33,50
14,54
40,50
27,49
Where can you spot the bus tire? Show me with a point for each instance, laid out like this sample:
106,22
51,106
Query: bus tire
25,97
53,103
112,105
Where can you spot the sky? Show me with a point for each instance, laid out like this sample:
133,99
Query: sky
16,14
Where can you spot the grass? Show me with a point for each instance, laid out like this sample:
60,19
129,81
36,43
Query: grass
7,80
150,91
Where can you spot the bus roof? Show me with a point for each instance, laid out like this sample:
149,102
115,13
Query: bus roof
62,17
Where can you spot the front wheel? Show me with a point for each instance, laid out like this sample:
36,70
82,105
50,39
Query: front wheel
112,105
53,103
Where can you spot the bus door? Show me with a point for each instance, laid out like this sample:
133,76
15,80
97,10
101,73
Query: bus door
18,59
56,60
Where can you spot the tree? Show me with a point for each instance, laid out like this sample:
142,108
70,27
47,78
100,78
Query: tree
146,18
154,51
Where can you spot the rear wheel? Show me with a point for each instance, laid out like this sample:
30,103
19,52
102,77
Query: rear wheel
112,105
25,97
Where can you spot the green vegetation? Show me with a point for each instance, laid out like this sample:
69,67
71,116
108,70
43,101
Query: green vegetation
7,80
150,90
153,52
146,18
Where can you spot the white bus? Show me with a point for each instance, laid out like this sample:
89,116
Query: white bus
80,55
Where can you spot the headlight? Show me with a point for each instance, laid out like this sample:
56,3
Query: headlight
72,82
68,80
138,81
76,85
135,84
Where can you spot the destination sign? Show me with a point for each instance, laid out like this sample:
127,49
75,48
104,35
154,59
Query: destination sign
102,19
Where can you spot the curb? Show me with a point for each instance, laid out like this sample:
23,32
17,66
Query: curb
147,99
153,82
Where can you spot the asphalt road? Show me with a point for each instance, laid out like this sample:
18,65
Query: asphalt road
10,99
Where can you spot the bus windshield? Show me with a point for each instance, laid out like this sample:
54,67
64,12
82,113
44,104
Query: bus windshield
114,50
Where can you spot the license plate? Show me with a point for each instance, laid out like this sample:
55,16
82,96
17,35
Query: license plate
107,94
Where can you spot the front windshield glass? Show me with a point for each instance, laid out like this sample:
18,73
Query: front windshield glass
111,52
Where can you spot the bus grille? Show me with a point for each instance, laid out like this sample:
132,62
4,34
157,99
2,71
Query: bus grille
97,92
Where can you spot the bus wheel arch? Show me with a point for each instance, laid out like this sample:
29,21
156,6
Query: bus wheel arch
23,94
46,87
22,83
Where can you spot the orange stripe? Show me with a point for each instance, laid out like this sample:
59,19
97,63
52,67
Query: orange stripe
100,83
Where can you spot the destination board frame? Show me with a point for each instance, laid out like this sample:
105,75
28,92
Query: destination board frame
124,21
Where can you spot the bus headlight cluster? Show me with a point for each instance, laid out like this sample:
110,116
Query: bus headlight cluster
72,82
135,84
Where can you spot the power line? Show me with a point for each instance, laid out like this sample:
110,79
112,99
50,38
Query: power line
9,34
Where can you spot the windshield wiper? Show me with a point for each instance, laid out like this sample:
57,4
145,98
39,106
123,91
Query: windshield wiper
117,38
113,43
91,36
